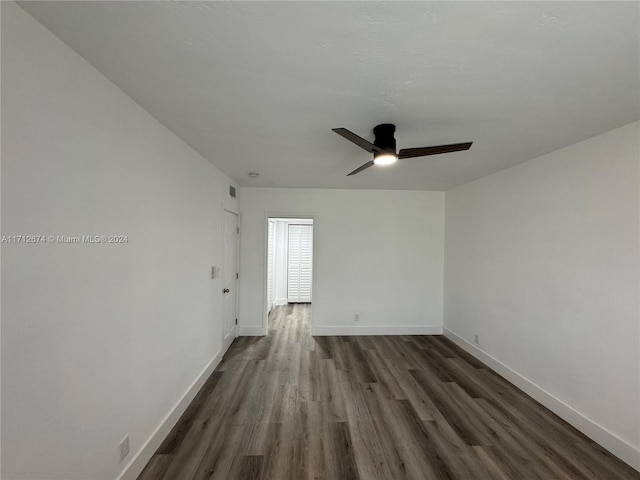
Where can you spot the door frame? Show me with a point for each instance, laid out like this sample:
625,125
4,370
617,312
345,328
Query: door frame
265,272
271,263
236,283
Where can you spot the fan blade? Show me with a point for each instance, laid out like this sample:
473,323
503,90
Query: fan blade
359,169
424,151
361,142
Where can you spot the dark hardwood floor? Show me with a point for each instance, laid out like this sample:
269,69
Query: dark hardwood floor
290,406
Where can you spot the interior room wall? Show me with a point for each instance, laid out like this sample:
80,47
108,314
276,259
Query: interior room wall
378,254
99,341
542,263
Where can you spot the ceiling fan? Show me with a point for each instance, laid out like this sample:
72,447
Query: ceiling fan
384,147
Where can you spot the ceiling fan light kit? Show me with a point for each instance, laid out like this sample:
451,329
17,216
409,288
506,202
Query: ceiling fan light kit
384,146
384,159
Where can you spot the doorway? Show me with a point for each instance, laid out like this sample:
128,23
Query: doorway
289,273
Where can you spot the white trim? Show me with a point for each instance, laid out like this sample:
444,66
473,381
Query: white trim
280,301
617,446
271,260
341,330
250,331
133,469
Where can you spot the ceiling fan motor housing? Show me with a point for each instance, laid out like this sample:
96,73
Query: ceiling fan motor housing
384,138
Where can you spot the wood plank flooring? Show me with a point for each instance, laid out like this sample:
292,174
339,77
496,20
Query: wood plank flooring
290,406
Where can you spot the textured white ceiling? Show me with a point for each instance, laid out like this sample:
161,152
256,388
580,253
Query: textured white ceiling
257,86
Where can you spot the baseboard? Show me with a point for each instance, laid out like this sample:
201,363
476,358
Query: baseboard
251,331
617,446
280,301
133,469
342,330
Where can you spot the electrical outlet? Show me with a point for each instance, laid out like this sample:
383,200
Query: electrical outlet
476,339
356,317
124,448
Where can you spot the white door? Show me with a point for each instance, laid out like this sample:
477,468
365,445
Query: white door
229,278
299,264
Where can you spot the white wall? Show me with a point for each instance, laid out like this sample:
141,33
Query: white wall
377,253
542,262
98,341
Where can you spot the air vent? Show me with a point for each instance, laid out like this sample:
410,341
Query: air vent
232,191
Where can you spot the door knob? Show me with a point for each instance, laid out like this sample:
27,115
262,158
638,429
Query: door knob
226,290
